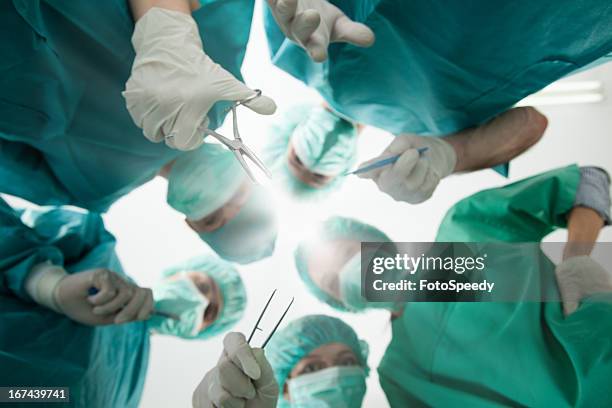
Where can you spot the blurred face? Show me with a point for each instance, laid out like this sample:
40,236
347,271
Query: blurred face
209,289
325,261
302,173
224,214
329,355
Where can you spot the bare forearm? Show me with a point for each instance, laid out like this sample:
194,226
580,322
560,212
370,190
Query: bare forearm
497,141
140,7
583,226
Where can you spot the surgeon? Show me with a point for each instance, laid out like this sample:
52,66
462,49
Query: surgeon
329,264
231,214
450,353
436,69
66,135
310,149
206,293
314,361
56,332
319,361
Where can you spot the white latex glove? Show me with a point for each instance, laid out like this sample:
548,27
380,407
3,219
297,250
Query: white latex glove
579,277
314,24
413,177
117,301
242,378
174,83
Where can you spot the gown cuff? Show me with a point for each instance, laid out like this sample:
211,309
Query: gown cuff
42,282
594,191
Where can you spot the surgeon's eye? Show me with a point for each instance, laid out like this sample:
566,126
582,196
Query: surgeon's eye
348,361
211,312
312,367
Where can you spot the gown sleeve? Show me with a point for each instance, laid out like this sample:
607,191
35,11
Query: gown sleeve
21,249
525,211
51,234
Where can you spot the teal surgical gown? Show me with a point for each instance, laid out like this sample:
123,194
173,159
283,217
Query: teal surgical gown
66,136
439,66
103,366
504,354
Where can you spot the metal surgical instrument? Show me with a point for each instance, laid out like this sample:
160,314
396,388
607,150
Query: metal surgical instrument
256,327
236,145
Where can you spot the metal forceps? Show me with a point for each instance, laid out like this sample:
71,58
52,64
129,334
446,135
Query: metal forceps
236,145
277,323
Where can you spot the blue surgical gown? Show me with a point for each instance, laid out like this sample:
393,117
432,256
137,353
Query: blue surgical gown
66,136
103,366
501,354
439,66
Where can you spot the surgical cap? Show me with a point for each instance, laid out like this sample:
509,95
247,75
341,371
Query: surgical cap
334,228
251,234
230,285
302,336
324,142
203,180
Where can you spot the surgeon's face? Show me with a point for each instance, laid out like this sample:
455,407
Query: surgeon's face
223,214
326,356
209,289
302,173
325,261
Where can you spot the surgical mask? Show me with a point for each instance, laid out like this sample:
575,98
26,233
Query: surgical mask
350,288
250,235
334,387
180,297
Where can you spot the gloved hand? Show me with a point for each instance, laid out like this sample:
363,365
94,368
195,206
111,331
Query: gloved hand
174,83
313,24
242,378
413,177
579,277
117,301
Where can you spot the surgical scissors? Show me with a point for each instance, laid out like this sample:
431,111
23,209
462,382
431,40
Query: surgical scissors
236,145
256,327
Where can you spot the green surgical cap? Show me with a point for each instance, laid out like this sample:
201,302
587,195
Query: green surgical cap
324,142
230,284
203,180
334,228
302,336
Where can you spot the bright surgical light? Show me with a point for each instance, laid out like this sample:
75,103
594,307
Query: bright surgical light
566,93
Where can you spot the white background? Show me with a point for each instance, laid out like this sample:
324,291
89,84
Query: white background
152,236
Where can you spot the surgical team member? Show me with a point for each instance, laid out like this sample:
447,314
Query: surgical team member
474,353
439,68
314,361
330,263
228,212
55,333
310,148
319,361
205,292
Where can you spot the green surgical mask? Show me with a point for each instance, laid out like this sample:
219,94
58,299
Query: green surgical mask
350,288
334,387
180,297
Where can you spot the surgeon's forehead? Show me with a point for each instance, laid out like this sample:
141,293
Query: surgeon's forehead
325,257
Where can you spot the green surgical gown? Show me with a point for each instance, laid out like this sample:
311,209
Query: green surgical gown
103,366
504,354
439,66
66,136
